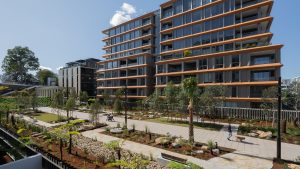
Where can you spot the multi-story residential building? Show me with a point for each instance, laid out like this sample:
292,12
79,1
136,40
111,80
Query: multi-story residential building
130,50
81,75
220,42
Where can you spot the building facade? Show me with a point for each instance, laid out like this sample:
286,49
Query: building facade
130,57
80,75
219,42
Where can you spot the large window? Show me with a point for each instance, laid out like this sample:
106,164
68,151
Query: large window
187,5
264,75
219,62
207,77
196,3
235,76
202,64
197,15
264,59
177,21
228,34
177,7
234,91
219,77
235,61
197,28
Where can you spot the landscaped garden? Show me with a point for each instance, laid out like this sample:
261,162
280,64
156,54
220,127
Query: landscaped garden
185,123
168,142
49,117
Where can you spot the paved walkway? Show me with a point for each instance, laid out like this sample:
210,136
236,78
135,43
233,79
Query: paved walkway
256,149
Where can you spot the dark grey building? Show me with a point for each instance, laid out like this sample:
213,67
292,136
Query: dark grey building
81,75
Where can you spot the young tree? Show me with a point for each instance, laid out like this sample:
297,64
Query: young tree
154,101
170,92
57,102
118,102
115,146
22,100
269,103
33,100
212,97
84,96
189,86
70,105
95,110
137,162
106,98
17,64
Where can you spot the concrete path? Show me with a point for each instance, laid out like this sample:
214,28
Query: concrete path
254,148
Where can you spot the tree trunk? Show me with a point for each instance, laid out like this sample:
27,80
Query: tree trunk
7,117
70,144
60,149
119,156
68,116
273,120
191,127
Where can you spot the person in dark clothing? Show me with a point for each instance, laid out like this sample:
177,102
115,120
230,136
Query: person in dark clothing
229,132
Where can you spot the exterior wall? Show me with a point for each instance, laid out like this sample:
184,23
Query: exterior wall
49,91
80,76
32,162
229,42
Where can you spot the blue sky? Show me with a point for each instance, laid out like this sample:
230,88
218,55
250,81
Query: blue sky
59,31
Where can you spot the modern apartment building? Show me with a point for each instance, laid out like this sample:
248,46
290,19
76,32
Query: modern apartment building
130,57
220,42
81,75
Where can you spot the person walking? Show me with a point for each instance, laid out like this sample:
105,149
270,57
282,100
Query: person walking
229,132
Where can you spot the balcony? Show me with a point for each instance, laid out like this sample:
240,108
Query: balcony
132,73
250,18
167,48
166,26
250,2
175,79
250,32
146,21
190,66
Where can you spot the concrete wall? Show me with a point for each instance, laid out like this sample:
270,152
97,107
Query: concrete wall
32,162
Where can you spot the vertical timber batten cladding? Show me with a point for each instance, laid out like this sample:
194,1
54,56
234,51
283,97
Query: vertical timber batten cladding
219,42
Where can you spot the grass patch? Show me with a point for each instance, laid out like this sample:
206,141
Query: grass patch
209,126
49,117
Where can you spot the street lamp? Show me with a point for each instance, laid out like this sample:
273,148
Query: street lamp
125,93
278,120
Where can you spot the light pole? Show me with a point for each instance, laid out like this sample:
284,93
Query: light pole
125,93
278,120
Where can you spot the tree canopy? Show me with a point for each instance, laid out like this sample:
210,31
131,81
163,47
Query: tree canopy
44,74
17,64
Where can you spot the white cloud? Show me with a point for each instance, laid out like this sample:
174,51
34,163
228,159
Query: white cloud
128,8
123,15
45,68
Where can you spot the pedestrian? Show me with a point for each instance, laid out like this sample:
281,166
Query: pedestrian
229,132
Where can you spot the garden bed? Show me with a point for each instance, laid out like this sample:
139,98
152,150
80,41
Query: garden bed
292,135
78,158
184,148
185,123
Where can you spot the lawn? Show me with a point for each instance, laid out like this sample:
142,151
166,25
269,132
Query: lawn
48,117
209,126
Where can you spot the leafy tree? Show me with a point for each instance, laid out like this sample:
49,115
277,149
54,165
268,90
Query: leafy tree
106,98
17,64
115,146
212,97
154,101
44,74
270,102
291,96
33,100
84,96
137,162
70,105
118,102
189,86
95,110
57,102
170,92
22,100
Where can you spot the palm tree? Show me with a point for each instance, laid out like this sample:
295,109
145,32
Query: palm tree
189,86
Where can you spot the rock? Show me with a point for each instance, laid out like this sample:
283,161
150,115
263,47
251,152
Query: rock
116,130
244,124
198,152
266,135
252,134
216,151
294,166
205,148
176,145
151,116
162,141
259,132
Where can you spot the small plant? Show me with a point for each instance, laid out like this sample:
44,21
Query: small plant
107,129
126,132
133,127
187,53
146,129
211,145
118,125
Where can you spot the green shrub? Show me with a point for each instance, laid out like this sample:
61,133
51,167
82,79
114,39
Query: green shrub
211,145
